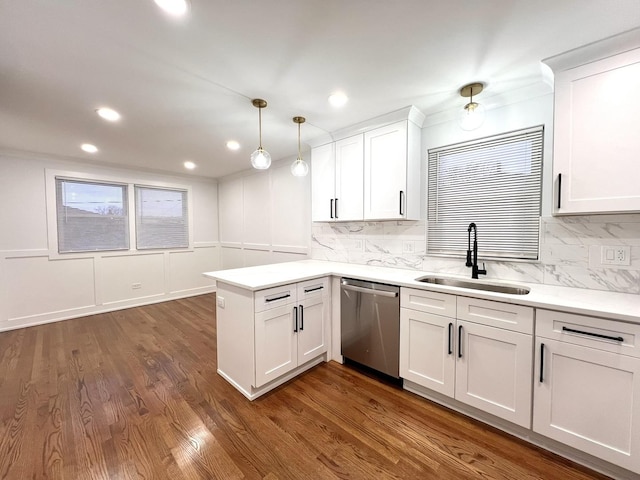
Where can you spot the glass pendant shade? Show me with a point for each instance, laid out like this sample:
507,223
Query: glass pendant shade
472,116
260,159
299,168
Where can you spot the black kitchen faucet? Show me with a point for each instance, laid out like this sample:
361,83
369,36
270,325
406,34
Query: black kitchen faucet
473,263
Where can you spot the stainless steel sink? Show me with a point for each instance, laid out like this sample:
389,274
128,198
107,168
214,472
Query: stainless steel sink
490,287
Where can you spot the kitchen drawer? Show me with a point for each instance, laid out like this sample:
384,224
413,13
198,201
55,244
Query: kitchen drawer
496,314
430,302
316,288
274,297
609,335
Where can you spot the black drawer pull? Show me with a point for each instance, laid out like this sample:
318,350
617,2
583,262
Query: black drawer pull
450,346
597,335
295,317
273,299
314,289
301,318
331,208
460,341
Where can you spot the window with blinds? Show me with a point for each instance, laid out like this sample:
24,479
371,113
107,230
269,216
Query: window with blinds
162,219
91,216
496,183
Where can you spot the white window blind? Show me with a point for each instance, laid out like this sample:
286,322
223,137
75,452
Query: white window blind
162,219
91,216
494,182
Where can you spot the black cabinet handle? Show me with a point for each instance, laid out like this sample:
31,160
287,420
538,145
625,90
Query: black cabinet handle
450,346
542,363
273,299
559,190
590,334
331,208
335,209
314,289
301,318
401,202
295,316
460,341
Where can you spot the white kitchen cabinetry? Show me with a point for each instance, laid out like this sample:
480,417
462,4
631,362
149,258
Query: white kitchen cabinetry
587,385
476,351
596,141
269,336
337,181
392,172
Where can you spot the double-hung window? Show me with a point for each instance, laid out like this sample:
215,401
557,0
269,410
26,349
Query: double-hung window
161,218
494,182
91,216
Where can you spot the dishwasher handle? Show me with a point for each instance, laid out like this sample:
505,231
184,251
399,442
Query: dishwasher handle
370,291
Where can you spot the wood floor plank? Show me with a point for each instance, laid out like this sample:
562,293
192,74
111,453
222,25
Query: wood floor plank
134,394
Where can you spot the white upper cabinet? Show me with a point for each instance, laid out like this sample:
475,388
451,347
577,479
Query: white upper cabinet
392,172
336,180
596,140
373,175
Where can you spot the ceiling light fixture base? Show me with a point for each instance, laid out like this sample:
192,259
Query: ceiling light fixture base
259,103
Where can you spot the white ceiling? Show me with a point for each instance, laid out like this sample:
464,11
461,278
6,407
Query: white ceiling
184,86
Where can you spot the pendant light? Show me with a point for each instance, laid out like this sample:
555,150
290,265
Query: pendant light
260,159
472,116
299,168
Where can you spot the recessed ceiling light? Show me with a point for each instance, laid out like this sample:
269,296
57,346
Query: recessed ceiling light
189,165
89,148
233,145
338,99
173,7
108,114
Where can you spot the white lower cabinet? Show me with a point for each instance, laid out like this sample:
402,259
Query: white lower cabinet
269,336
477,351
587,385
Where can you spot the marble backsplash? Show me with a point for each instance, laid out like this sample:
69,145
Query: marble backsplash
570,249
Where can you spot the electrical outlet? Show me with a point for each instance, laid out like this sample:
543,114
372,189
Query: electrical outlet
220,302
615,255
407,246
357,244
136,286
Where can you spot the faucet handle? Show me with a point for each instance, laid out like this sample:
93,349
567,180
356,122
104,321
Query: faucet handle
483,270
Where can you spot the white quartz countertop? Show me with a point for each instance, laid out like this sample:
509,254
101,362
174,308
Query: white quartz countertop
619,306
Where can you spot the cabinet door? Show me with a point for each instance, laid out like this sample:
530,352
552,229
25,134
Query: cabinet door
276,343
349,178
588,399
322,183
385,172
427,353
493,371
596,141
312,329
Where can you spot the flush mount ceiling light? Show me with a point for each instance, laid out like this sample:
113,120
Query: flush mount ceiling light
173,7
299,168
89,148
108,114
338,99
260,159
472,116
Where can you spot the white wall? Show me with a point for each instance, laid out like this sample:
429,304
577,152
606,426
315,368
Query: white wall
265,216
39,285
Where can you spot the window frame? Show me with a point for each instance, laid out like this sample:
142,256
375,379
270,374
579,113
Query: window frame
51,214
488,142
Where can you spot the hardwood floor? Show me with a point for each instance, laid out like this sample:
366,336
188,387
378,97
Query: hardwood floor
135,394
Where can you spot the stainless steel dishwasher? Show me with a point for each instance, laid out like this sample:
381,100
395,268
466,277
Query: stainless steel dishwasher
370,323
